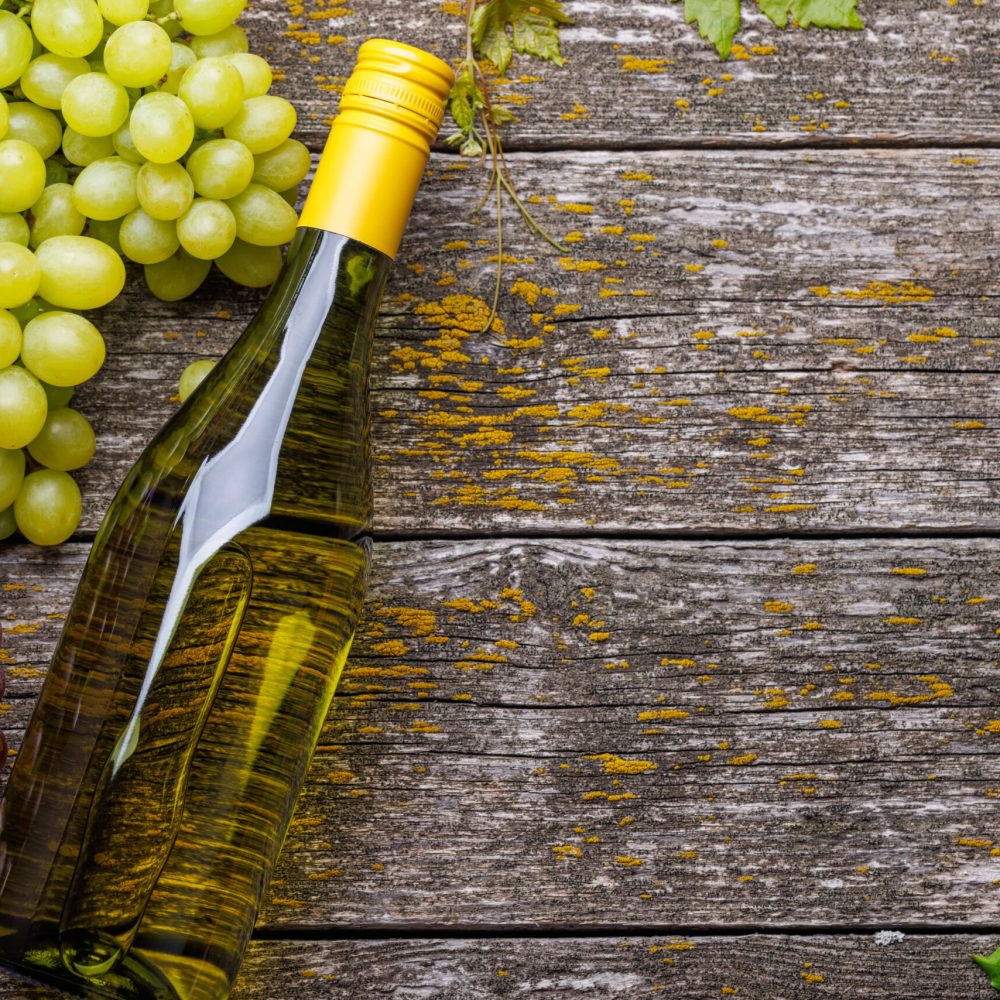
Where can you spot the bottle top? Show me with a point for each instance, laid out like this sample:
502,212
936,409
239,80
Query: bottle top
390,112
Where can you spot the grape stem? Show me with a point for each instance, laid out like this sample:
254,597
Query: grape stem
500,178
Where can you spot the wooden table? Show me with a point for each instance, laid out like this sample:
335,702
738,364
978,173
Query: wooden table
679,668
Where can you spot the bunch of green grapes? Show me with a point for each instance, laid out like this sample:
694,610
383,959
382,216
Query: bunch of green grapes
134,129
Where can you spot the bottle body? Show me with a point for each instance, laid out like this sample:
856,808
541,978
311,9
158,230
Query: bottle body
161,767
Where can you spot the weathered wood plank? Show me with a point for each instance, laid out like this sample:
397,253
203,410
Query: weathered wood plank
751,967
637,74
752,341
551,733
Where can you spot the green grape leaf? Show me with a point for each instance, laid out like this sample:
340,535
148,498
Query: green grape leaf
718,21
534,30
806,13
990,964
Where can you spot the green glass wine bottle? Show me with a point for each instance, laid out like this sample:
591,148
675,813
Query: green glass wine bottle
161,766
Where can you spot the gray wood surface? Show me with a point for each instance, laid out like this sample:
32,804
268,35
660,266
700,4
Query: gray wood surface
561,733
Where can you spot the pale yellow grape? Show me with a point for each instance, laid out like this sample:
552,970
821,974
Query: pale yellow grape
20,275
107,189
123,11
107,231
48,508
79,272
22,175
162,127
256,73
283,167
147,240
54,214
82,150
220,168
15,47
213,91
67,27
93,104
7,523
62,348
11,474
65,442
137,54
36,126
227,42
125,146
165,190
181,57
246,264
262,123
263,217
192,377
177,277
45,79
14,228
207,229
208,17
4,117
23,407
10,338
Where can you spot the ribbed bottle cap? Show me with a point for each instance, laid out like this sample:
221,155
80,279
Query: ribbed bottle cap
402,82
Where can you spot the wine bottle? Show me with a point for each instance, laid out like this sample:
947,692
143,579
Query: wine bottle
199,658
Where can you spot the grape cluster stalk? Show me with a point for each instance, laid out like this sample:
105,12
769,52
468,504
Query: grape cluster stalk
128,129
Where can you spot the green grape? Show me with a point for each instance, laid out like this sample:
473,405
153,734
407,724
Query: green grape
147,240
65,442
192,377
7,523
55,173
208,17
67,27
162,127
20,274
16,46
161,10
254,267
62,348
123,11
107,189
291,196
58,395
55,215
262,123
165,190
213,91
93,104
263,217
14,228
10,338
220,168
108,231
177,277
12,474
79,272
257,75
48,508
125,146
137,54
32,308
227,42
181,57
207,229
46,77
22,175
82,150
35,126
283,167
4,117
23,407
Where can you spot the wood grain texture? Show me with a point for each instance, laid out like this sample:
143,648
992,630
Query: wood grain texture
636,74
775,341
750,967
618,733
